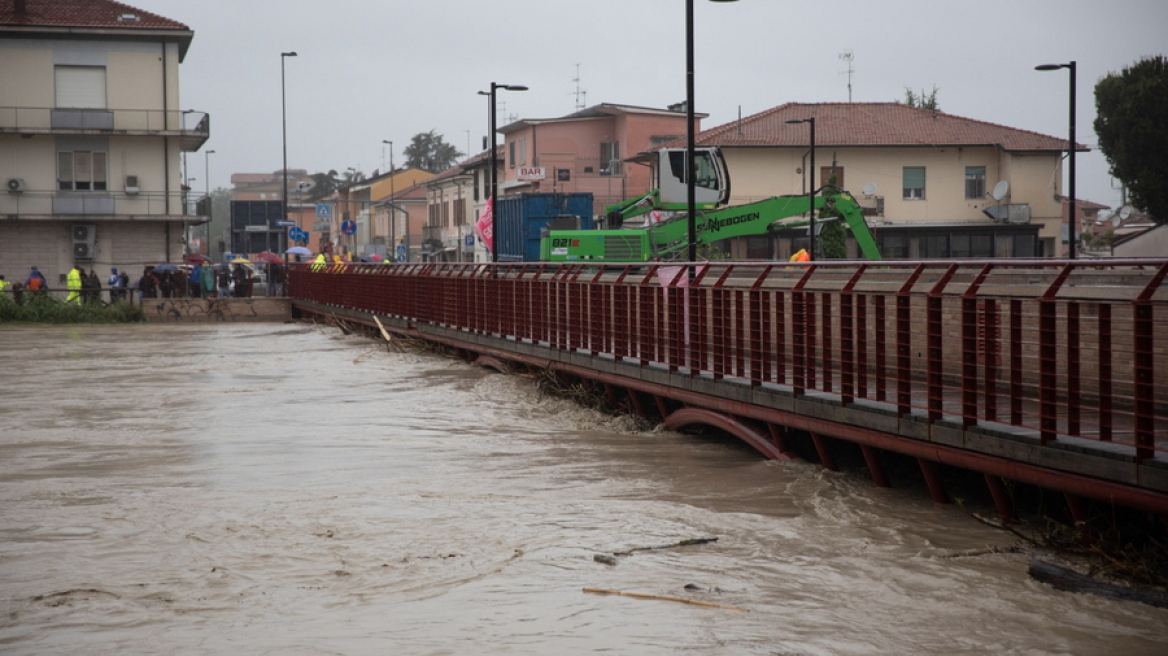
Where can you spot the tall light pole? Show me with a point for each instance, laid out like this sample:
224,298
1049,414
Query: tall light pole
690,192
207,179
392,255
284,119
811,184
1071,209
496,241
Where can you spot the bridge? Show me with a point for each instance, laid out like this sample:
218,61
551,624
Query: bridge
1040,372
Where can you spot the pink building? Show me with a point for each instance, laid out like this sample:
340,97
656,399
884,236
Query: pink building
584,151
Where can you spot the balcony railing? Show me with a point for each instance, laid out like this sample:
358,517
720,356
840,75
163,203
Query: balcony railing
193,126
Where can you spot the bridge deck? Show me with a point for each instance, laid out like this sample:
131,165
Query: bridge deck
1033,369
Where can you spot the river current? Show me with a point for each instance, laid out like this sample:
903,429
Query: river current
286,489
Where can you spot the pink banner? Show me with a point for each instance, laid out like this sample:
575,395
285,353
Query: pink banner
485,226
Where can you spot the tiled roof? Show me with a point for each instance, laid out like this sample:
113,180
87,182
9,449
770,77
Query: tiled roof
872,124
104,14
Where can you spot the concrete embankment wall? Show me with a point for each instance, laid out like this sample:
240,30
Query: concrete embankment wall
198,310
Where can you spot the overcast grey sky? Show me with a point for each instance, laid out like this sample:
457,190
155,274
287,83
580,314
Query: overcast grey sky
370,70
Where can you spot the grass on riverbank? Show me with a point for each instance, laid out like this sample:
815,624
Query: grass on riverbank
40,308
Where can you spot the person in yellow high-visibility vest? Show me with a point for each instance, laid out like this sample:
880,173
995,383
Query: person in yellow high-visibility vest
801,256
73,282
319,263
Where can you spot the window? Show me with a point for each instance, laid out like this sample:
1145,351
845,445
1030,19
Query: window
893,246
975,182
707,176
522,151
934,247
81,170
511,153
914,183
81,87
1024,246
610,163
979,246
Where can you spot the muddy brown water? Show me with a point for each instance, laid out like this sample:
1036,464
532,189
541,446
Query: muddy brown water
284,489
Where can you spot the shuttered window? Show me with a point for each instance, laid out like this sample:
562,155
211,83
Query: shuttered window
914,182
80,87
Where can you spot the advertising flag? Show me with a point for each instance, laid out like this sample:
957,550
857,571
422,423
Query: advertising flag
485,227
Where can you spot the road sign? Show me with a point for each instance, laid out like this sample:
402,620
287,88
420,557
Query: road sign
296,234
285,223
324,211
401,253
468,240
349,227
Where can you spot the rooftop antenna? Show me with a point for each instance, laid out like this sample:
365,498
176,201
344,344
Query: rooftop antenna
580,93
847,56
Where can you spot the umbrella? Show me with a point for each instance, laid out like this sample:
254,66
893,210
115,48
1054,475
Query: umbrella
240,260
298,250
269,256
161,268
371,258
196,257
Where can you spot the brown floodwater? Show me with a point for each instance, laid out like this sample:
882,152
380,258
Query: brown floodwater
285,489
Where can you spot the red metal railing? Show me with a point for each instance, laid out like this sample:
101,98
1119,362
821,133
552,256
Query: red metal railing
1066,349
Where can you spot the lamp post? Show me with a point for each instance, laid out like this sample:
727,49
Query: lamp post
284,122
210,205
496,241
392,254
1071,209
811,185
690,193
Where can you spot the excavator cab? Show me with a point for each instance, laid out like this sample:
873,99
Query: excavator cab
711,183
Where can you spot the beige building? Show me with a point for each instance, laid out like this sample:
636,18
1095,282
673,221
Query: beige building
933,185
93,133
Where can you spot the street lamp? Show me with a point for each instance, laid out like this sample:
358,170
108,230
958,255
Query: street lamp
284,118
690,193
207,179
811,184
1070,153
496,241
392,254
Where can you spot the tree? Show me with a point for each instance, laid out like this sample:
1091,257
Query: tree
430,152
923,101
324,184
1132,124
833,236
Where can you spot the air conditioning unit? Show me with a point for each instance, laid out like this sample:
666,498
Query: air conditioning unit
84,241
16,185
82,251
132,187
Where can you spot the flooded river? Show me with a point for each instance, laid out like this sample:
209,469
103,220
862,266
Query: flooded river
285,489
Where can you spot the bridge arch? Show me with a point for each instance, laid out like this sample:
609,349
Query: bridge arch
700,416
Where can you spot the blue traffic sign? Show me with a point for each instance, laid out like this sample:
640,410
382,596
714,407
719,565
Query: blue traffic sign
349,227
285,223
296,234
401,252
324,211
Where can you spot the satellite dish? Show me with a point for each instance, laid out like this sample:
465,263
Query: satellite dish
1000,190
870,189
1125,212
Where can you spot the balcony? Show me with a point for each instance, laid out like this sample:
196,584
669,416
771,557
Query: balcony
114,205
192,128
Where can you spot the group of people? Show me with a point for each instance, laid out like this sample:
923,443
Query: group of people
163,281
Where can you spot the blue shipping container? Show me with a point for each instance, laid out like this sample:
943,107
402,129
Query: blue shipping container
521,218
